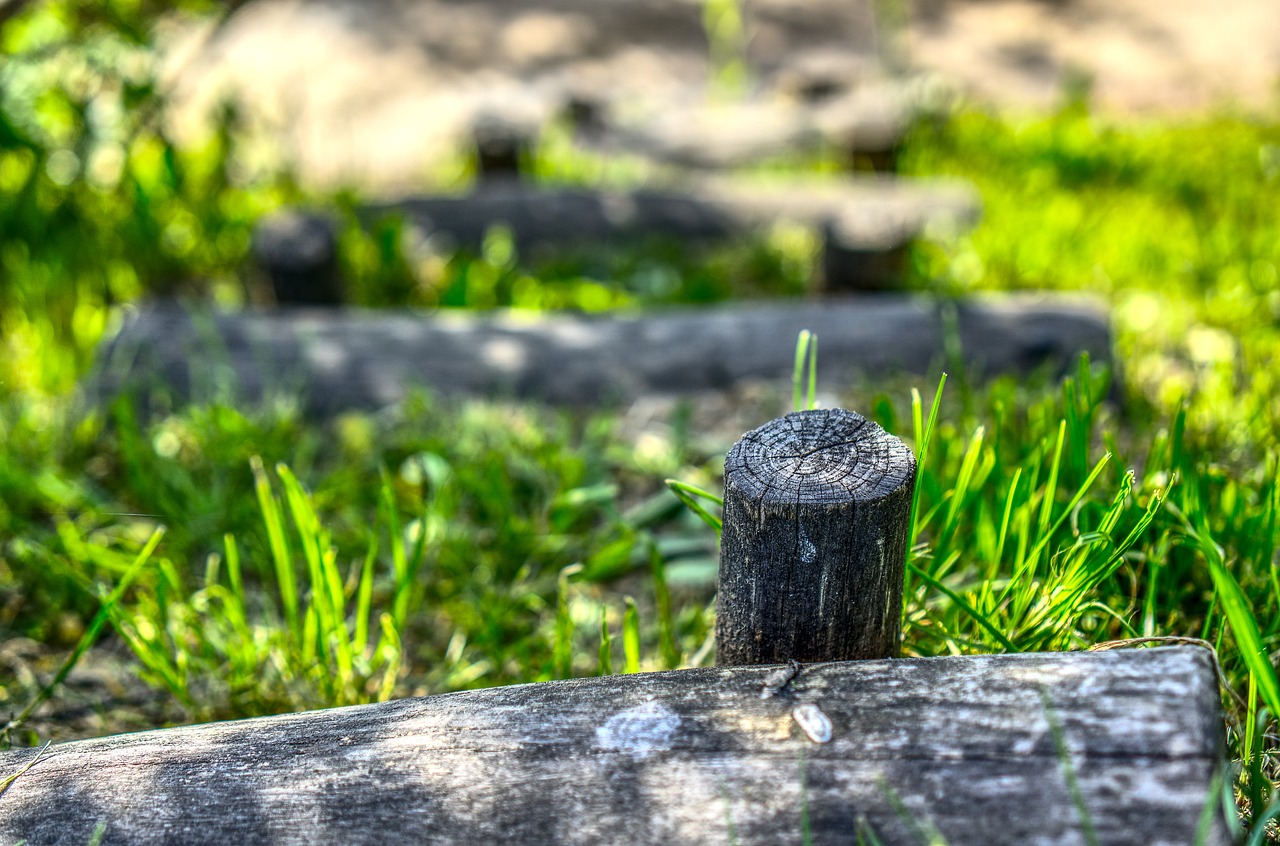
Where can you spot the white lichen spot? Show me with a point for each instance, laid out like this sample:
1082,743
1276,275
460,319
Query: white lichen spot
1028,744
808,552
640,731
815,724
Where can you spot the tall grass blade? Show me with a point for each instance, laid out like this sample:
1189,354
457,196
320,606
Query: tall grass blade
364,595
811,398
90,636
797,372
960,491
631,637
606,645
690,494
923,434
977,616
662,599
1068,770
1258,825
562,649
1051,486
8,781
280,557
1235,606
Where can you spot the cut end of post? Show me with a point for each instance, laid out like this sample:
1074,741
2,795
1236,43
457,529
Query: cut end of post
817,507
820,456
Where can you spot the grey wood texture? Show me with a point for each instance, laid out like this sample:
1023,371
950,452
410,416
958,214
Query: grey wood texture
816,507
300,255
964,745
865,212
870,118
334,360
865,222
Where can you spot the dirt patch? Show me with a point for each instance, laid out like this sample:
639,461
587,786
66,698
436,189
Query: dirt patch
376,92
1143,56
102,695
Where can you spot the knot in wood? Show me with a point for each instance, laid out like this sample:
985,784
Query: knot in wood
827,456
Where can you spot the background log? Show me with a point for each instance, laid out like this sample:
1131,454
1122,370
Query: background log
332,361
855,215
871,211
867,120
963,745
865,223
816,513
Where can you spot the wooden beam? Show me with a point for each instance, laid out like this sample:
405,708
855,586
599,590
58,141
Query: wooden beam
869,119
866,223
968,747
866,212
337,360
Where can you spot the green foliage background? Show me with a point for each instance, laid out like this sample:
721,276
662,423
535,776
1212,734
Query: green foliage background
450,545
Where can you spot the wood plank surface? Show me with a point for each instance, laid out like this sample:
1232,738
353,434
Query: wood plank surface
334,360
869,212
964,746
870,118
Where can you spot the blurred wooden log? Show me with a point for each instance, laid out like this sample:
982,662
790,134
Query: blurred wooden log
865,223
875,216
333,360
867,120
967,746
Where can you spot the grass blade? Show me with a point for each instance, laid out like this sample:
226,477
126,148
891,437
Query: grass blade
923,436
631,637
811,399
977,616
1235,606
279,546
562,649
9,780
797,373
689,495
606,645
90,635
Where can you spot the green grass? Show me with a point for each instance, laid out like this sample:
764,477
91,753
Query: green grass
451,545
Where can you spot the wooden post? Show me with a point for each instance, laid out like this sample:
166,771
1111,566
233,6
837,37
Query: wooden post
814,543
299,252
501,148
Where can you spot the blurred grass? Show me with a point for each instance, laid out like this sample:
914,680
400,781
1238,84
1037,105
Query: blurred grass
449,545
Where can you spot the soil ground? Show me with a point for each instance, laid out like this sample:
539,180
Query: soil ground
371,92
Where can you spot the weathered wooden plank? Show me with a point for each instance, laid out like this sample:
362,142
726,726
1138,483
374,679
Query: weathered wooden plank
816,512
866,212
965,745
337,360
868,119
865,222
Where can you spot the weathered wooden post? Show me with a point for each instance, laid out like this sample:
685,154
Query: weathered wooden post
299,252
816,512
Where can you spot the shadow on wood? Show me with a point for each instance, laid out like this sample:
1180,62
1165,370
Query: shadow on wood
332,361
966,746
